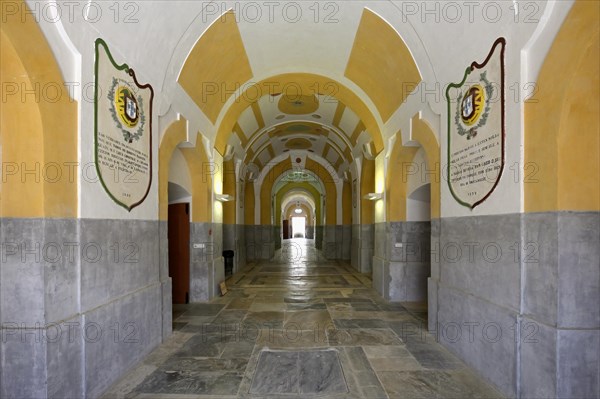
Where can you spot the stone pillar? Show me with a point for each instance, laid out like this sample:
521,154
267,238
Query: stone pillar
165,280
207,268
77,295
560,322
319,233
366,245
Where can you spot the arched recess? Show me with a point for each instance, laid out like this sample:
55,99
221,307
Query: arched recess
305,212
198,167
319,171
299,199
300,195
38,121
562,138
180,181
401,167
175,134
423,133
418,190
305,187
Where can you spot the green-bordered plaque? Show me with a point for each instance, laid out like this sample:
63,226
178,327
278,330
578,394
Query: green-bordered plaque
123,130
476,129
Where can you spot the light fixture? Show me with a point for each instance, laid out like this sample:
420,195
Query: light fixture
224,197
373,196
298,210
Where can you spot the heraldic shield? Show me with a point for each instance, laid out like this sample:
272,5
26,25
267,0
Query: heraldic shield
123,130
476,129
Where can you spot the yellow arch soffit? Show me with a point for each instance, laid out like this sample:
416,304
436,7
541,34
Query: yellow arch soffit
562,173
215,67
58,120
202,186
381,64
284,166
423,133
300,193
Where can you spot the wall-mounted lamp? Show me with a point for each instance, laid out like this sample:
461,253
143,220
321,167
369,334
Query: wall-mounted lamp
373,196
224,197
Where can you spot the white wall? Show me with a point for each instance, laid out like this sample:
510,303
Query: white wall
154,38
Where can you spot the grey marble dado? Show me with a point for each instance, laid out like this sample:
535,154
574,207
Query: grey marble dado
400,281
346,242
163,242
433,280
310,232
560,261
337,241
380,240
206,260
39,270
534,273
229,237
415,238
482,334
260,242
239,257
119,335
118,257
205,276
380,276
167,308
432,303
39,292
125,289
560,300
165,280
355,248
477,255
479,283
561,363
42,362
435,227
319,233
70,286
407,281
401,263
277,236
366,245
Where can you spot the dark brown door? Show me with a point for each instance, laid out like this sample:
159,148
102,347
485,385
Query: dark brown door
286,230
179,251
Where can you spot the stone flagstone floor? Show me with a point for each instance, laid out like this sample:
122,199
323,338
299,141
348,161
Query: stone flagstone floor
300,326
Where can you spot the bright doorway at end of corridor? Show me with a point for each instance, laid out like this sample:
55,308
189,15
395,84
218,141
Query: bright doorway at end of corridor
298,227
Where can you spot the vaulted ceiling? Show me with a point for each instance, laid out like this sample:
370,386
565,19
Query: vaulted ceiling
335,115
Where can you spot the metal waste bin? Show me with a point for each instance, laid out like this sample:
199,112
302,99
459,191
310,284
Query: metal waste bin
228,255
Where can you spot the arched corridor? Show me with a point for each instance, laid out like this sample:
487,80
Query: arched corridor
298,326
364,199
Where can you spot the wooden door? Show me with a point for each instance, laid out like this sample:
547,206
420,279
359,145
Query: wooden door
179,251
286,230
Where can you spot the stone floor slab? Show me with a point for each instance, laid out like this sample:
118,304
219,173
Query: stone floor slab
339,339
